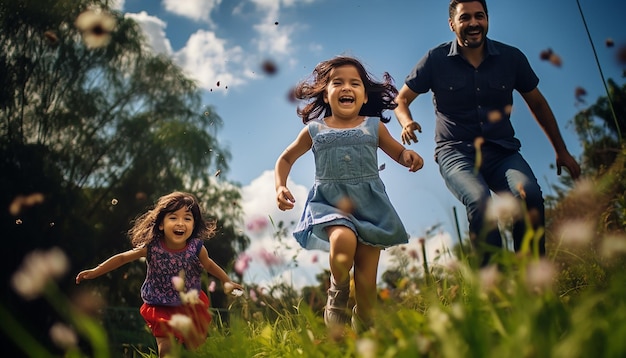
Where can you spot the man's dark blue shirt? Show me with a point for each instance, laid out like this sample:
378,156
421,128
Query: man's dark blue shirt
473,102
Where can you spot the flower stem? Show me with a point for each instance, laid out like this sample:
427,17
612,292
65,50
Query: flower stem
606,89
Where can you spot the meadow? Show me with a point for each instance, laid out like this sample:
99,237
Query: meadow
569,303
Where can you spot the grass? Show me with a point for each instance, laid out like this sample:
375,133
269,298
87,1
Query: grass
463,313
570,303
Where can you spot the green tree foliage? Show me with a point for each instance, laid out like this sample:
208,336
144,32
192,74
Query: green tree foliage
599,130
101,133
600,199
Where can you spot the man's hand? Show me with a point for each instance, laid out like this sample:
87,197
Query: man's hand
567,161
408,132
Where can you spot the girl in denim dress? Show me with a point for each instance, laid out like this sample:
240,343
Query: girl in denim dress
347,212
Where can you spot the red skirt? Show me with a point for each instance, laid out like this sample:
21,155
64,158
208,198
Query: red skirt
158,317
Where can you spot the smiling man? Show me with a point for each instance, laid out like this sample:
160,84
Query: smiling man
472,79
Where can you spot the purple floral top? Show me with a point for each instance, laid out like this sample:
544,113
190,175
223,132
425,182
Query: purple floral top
163,264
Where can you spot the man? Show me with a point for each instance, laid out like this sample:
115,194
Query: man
472,79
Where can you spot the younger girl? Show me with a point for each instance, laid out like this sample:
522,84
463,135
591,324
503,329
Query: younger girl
347,212
170,237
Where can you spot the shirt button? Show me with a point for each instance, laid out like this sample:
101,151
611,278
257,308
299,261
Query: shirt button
478,89
451,88
346,158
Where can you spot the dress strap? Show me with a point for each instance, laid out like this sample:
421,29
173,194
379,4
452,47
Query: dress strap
314,127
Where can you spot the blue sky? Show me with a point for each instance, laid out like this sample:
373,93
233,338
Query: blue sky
227,41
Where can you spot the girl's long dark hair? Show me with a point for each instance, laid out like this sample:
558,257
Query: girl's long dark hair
380,95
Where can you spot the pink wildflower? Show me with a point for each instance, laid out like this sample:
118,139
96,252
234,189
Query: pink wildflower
269,258
242,263
257,224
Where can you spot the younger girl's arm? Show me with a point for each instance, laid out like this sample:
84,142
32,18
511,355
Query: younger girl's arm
396,151
285,161
111,264
214,269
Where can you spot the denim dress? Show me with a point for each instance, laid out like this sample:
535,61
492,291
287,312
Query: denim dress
348,190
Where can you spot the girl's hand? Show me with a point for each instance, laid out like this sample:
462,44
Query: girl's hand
412,160
284,199
230,286
83,275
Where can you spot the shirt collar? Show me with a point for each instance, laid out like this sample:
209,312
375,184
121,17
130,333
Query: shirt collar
491,48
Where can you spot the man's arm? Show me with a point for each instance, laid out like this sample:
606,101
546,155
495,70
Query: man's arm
542,113
403,114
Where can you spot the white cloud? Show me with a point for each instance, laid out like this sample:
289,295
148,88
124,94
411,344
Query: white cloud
154,30
273,38
207,59
259,203
198,10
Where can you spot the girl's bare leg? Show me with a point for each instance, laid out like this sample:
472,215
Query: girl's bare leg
343,246
365,271
342,249
164,345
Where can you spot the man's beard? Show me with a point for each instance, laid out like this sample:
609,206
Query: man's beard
476,43
473,44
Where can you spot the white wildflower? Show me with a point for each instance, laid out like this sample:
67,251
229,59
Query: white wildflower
366,348
228,287
439,321
28,285
37,269
56,261
540,276
575,232
179,283
96,26
612,246
190,297
457,311
63,336
504,207
423,344
181,323
584,188
489,277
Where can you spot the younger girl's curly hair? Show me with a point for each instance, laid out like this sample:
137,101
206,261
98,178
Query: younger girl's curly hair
146,226
380,95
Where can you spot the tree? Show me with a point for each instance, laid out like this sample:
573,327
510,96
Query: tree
100,131
600,128
600,131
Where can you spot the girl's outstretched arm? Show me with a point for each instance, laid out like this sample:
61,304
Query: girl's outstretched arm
111,264
397,151
284,198
214,269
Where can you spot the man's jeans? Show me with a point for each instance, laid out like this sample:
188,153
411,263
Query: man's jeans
501,171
